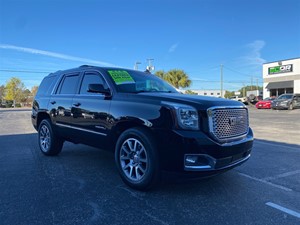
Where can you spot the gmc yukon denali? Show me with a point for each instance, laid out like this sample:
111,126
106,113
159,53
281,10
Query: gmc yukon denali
144,120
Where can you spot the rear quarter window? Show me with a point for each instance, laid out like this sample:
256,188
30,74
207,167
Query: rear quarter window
46,86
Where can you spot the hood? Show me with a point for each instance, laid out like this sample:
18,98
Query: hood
199,102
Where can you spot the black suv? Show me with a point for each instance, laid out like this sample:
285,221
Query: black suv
144,120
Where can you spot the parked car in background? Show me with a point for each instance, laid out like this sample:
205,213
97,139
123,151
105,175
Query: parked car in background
265,103
286,101
240,99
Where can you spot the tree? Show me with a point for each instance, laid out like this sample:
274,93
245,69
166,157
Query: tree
34,90
160,73
190,92
2,92
25,95
229,94
14,89
177,78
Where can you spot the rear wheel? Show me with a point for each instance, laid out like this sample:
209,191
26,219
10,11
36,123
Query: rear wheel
50,144
291,107
136,158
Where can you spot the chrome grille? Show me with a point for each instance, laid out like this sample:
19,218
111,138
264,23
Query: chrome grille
228,123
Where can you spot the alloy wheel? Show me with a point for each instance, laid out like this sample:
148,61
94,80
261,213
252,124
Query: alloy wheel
45,138
133,159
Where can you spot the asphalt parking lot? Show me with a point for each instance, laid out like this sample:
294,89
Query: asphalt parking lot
81,185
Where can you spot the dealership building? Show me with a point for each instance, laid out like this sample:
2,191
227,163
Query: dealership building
281,77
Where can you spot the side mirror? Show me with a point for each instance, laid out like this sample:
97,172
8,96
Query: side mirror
98,88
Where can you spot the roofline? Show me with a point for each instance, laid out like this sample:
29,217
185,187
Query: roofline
280,60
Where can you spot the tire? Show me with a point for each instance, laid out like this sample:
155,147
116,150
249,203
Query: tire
291,107
50,144
136,158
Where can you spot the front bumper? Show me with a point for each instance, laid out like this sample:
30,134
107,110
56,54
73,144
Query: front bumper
279,105
207,163
196,152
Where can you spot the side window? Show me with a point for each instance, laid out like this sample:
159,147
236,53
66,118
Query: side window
69,84
45,85
91,78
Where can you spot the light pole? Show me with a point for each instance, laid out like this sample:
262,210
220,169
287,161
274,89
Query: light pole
136,67
150,67
221,81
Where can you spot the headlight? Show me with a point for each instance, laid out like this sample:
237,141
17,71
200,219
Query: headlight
187,116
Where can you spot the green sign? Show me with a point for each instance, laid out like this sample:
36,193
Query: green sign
121,77
281,69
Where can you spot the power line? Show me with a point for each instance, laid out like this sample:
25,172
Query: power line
233,70
217,81
24,71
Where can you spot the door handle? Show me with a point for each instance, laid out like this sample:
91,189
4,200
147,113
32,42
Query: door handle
77,104
53,102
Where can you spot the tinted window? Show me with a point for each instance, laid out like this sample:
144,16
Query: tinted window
44,87
90,78
69,84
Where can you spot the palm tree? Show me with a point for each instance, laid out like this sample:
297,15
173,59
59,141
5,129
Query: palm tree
178,78
160,74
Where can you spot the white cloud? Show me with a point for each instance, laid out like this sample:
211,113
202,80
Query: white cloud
253,57
54,55
173,48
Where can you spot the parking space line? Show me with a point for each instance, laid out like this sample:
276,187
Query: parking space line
283,209
282,175
265,182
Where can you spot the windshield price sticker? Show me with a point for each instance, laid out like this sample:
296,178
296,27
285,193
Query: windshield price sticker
121,77
281,69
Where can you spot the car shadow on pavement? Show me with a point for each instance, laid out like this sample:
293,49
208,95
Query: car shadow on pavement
96,166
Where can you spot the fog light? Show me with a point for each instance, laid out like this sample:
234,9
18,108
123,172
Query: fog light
198,162
191,160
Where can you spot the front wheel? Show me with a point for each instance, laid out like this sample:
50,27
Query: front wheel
136,158
50,144
291,107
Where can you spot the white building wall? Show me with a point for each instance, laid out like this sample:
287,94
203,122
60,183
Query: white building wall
212,93
297,86
294,75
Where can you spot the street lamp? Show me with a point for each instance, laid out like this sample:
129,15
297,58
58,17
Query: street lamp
136,67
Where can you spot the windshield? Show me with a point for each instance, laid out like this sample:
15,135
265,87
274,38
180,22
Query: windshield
268,99
282,97
129,81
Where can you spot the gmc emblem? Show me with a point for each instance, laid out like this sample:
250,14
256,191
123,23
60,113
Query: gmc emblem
235,120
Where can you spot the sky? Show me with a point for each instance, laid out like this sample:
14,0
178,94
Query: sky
198,36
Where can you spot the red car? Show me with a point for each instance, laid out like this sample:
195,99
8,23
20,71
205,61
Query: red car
265,103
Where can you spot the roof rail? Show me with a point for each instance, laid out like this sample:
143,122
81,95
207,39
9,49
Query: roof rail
84,66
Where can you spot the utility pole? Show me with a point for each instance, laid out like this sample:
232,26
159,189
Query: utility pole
257,83
251,82
221,81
